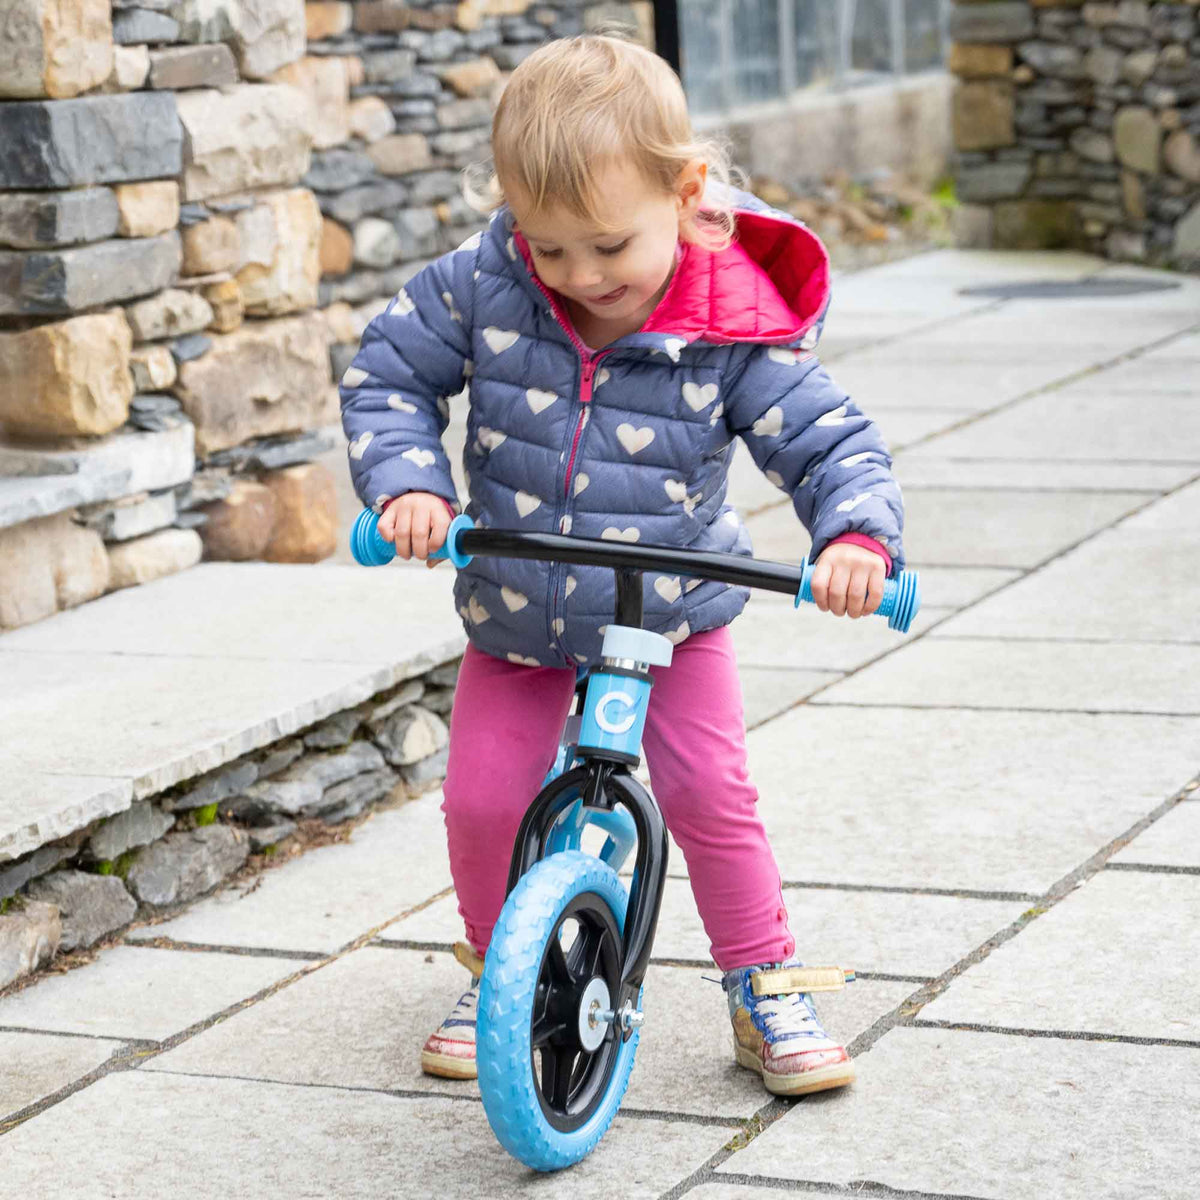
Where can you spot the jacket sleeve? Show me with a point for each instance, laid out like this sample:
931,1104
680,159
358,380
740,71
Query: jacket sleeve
413,356
808,438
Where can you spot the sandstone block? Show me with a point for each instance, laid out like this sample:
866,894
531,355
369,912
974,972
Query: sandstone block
1182,155
55,48
1133,195
370,119
1092,145
288,282
96,139
306,525
46,565
462,114
1186,247
172,313
153,368
90,906
376,243
327,18
66,379
206,20
185,865
29,939
337,248
435,17
1035,225
265,378
382,16
978,61
228,307
239,527
268,35
1139,66
983,116
131,68
324,80
340,324
1137,136
154,557
251,136
1103,64
400,154
177,67
147,209
1003,21
35,220
211,246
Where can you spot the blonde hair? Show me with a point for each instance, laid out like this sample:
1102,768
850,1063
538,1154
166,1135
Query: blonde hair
578,104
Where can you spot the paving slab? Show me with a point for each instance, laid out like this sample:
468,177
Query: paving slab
990,801
1172,841
929,469
136,992
1063,676
238,1137
886,933
361,1021
33,1065
769,691
947,1111
394,861
1169,368
1116,956
42,806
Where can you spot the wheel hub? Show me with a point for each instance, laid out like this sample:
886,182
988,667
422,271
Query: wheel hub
595,1011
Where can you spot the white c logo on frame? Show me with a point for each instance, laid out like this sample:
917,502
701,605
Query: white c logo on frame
616,727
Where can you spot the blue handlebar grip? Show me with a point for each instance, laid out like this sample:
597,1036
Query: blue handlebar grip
372,550
901,596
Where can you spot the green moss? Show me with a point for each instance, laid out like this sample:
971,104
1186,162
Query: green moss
104,867
206,815
944,193
4,905
751,1128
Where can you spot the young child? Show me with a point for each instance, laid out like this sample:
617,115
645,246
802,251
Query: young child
620,322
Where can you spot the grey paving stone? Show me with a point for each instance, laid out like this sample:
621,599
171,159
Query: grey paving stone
1170,368
90,905
32,220
874,932
136,992
768,691
919,471
902,427
992,801
1172,841
938,1111
1064,676
361,1022
1115,957
33,1065
331,895
245,1138
729,1190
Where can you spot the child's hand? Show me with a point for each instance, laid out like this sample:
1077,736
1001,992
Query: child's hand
848,580
416,523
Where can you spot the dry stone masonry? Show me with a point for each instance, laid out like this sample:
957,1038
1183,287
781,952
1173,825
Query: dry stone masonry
168,850
202,204
1078,123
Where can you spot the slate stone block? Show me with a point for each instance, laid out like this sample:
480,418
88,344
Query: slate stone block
140,27
90,906
185,865
39,220
139,825
98,139
48,282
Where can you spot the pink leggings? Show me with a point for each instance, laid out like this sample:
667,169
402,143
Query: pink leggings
503,737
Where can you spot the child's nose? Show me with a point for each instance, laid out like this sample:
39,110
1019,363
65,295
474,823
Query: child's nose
585,275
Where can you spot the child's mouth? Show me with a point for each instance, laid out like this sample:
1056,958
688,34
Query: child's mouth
611,297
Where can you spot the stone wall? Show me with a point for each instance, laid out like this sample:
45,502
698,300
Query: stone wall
1078,123
202,204
170,849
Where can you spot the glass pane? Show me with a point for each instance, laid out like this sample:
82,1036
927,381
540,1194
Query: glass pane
755,48
700,54
923,34
816,42
871,43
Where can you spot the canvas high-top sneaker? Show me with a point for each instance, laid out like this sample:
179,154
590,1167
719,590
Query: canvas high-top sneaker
449,1051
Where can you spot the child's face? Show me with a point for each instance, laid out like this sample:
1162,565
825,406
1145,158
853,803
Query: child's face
616,276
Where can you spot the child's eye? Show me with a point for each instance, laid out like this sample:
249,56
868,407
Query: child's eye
611,250
547,253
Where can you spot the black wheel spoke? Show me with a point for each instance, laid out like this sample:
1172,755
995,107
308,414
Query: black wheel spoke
557,1066
544,1030
560,972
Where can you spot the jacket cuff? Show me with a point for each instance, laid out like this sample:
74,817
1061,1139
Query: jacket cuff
867,543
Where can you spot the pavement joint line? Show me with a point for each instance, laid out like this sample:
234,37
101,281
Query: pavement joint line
1058,384
152,1049
857,1187
1068,1035
87,1037
1151,868
1006,708
167,943
896,889
1070,641
1041,491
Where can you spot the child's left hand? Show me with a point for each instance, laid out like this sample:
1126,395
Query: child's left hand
848,580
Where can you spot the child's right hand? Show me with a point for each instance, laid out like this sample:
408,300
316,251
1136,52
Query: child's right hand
416,523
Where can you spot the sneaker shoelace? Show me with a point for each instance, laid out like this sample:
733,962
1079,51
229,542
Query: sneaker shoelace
790,1015
464,1011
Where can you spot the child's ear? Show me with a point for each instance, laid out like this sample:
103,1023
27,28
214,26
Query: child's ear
689,188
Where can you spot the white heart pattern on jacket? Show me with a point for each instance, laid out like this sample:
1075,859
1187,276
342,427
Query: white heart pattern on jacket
602,378
513,601
559,626
511,246
444,407
676,490
499,340
403,303
570,585
855,459
613,534
698,397
564,526
717,413
396,401
358,447
673,346
476,613
419,457
472,243
692,585
522,660
539,400
774,477
836,416
527,503
770,424
581,482
634,440
491,438
668,587
781,354
380,504
851,505
448,300
675,636
353,377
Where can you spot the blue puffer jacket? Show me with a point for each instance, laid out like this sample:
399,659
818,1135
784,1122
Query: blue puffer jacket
631,442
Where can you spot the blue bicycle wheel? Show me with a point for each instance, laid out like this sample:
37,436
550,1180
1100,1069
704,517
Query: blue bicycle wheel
551,1079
